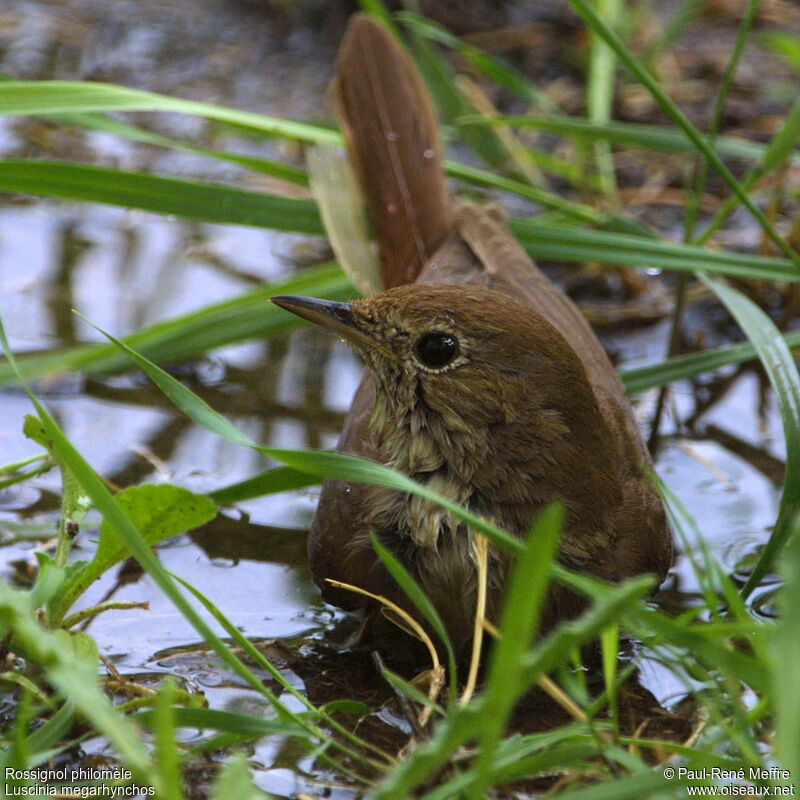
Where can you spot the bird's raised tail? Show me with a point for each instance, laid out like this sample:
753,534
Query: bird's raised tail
393,143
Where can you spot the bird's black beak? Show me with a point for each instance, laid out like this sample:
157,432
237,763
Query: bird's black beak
338,318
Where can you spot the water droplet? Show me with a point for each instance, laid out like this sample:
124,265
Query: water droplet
428,153
653,271
391,136
222,563
391,208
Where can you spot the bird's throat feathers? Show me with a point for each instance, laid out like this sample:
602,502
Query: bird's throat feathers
415,438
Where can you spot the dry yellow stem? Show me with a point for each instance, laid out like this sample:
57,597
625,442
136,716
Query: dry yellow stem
413,626
561,697
481,556
408,624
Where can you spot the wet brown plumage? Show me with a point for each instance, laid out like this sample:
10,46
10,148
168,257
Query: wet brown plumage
483,381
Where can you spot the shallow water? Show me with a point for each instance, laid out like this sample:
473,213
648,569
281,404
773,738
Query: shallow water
123,269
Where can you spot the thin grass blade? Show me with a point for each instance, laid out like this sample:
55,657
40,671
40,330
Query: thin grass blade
782,372
206,202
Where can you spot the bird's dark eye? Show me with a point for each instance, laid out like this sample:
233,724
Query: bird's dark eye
437,349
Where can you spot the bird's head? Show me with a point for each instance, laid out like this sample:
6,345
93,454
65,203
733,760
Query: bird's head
451,364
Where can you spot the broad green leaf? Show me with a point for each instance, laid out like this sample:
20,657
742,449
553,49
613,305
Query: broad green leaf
157,511
104,501
48,581
107,505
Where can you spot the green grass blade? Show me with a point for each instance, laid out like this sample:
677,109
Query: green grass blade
640,379
70,97
441,82
106,124
782,372
600,91
52,731
423,604
466,724
320,463
708,643
635,787
167,757
578,211
591,18
72,676
489,66
224,721
609,606
519,622
785,652
461,726
206,202
104,501
786,45
781,147
577,245
625,134
244,317
271,481
262,661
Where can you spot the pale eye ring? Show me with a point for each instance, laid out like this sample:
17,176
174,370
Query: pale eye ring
437,349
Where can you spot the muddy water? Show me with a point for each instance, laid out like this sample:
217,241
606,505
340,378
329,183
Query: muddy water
125,269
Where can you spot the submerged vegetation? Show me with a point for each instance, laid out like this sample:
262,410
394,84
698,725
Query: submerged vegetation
739,671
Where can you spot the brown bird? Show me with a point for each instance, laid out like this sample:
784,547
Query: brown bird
483,380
